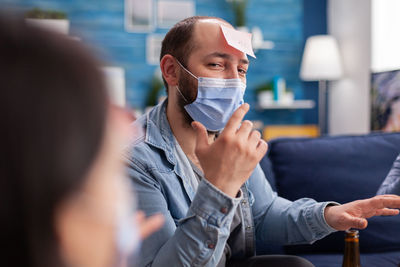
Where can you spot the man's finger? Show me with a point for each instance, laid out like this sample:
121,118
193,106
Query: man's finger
201,136
389,196
245,129
359,223
385,201
236,119
254,138
387,212
262,148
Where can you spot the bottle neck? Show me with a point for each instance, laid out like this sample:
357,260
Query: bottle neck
351,256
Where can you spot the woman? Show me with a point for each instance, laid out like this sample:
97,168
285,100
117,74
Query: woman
62,191
391,184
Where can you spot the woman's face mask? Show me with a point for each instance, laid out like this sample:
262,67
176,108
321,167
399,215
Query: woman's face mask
217,99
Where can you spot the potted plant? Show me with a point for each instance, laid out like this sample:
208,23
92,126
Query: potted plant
155,90
49,19
239,10
265,94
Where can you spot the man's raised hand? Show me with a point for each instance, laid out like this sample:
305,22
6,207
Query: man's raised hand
229,161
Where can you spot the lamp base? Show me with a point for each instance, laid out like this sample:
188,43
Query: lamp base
322,107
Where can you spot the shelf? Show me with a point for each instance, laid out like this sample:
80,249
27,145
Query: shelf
297,104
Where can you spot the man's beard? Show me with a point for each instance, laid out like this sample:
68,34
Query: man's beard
187,95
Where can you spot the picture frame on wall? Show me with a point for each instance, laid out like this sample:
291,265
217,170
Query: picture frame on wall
385,101
153,48
170,12
139,15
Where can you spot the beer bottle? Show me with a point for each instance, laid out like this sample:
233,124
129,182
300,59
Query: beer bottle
351,256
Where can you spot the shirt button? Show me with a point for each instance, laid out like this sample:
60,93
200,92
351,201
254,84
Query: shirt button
248,227
244,202
211,246
224,210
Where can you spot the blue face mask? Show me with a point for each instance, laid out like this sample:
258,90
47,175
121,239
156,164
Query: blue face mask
216,100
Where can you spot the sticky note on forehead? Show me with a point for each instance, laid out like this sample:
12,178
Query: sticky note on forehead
239,40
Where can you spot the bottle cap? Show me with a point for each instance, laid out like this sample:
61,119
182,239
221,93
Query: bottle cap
351,234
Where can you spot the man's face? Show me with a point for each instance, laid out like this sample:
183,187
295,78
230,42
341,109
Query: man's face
212,57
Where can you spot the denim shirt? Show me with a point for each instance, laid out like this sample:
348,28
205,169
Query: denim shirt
240,243
197,222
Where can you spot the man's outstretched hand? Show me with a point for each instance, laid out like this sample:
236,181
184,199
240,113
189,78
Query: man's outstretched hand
355,214
229,161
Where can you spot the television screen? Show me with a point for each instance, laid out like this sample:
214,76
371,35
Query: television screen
385,101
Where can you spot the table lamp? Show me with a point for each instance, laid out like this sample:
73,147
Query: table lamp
321,62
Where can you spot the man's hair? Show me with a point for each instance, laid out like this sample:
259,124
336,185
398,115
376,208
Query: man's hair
178,42
53,108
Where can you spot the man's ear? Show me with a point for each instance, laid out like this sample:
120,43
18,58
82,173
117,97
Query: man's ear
169,71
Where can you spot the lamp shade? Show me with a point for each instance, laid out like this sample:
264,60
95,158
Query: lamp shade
321,59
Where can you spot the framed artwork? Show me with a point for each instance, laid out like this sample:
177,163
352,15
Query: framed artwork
153,48
146,15
170,12
139,15
115,82
385,101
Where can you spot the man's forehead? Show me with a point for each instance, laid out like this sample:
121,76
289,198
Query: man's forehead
212,31
214,21
210,27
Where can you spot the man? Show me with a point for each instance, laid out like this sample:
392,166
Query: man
217,203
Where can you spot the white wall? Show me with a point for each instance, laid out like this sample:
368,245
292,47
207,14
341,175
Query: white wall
385,35
349,105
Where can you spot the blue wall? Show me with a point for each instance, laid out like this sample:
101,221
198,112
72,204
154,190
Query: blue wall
314,22
285,22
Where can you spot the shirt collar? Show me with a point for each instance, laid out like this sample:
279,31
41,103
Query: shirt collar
158,131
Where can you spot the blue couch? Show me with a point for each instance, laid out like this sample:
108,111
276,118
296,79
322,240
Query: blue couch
342,169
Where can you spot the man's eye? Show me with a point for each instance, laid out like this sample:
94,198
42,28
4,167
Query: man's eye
215,65
242,71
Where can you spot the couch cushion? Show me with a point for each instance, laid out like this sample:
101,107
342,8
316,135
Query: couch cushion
342,169
386,259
